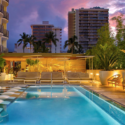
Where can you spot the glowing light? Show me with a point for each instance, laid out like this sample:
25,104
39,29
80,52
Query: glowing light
115,73
97,74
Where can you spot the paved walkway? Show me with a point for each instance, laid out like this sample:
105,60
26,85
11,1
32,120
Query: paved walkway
116,94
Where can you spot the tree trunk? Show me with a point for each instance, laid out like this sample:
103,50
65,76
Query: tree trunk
30,47
23,47
72,48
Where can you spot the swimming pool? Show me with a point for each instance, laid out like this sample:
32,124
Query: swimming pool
62,105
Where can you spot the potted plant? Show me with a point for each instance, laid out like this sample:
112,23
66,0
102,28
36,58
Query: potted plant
108,59
2,64
105,52
31,63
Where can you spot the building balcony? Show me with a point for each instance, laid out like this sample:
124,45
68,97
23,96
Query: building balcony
83,39
83,27
5,33
83,12
3,49
1,29
6,15
83,24
1,8
92,42
93,37
92,12
93,34
6,1
83,30
91,31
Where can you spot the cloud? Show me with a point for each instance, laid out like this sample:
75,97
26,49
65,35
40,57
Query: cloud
23,13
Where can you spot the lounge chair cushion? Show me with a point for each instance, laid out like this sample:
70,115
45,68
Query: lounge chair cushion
73,76
21,74
33,75
45,76
19,77
57,76
84,76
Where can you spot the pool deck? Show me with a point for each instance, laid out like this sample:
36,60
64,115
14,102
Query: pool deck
116,94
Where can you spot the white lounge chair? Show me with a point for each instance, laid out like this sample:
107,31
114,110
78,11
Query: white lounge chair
72,77
84,77
57,77
45,77
32,77
20,76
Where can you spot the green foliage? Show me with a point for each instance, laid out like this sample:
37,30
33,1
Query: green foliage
120,39
2,62
11,71
24,40
32,62
40,47
31,40
74,46
105,52
51,37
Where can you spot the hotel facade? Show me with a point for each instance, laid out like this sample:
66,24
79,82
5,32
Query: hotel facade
4,19
39,32
84,23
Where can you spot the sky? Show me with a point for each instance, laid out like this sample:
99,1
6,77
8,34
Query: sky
23,13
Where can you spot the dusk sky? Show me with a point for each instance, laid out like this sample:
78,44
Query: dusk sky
23,13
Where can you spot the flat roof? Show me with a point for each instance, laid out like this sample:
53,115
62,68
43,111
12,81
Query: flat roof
23,56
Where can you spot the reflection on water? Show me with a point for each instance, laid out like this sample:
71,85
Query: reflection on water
48,92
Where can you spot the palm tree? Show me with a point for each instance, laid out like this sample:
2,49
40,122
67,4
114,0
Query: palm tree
40,46
80,49
50,37
72,43
31,39
24,40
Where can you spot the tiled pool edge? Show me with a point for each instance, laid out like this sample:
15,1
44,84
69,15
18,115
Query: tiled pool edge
104,104
115,103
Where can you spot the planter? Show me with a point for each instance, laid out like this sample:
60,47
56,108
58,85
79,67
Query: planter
9,77
104,75
2,76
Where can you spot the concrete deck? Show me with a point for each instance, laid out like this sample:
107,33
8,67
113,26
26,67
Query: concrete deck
116,94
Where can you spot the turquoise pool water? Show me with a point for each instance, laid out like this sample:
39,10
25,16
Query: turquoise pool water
60,105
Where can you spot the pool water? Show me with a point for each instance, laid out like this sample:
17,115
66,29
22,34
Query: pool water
59,105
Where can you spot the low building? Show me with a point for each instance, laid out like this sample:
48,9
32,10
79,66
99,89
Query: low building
49,62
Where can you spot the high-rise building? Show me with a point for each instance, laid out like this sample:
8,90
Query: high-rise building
4,19
39,32
84,23
58,32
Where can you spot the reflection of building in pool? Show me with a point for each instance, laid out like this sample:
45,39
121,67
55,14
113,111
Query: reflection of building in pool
49,62
49,93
